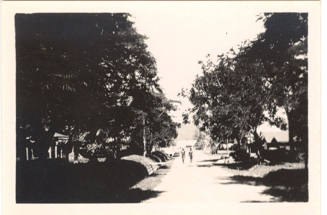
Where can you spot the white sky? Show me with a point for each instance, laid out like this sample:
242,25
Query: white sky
180,35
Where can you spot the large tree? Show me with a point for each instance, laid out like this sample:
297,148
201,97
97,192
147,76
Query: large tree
81,71
282,48
264,75
157,124
228,97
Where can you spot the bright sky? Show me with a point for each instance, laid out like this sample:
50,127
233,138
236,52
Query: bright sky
182,34
180,37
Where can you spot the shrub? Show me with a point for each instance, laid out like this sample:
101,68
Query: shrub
163,156
150,166
240,155
280,155
154,157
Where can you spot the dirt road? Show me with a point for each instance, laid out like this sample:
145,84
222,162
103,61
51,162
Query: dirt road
202,181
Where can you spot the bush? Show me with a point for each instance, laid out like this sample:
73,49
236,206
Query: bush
279,156
154,157
240,155
163,156
150,166
125,152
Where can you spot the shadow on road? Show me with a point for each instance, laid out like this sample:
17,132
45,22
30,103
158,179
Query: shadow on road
285,184
204,165
238,166
138,195
209,160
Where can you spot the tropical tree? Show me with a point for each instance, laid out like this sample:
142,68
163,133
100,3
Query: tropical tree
82,71
282,48
231,97
227,98
158,126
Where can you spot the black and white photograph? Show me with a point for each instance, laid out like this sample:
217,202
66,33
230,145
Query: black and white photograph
167,104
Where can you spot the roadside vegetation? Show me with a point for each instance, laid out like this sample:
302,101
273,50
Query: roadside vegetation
92,120
241,89
88,98
96,83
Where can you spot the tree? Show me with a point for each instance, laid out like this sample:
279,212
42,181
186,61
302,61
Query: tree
200,140
227,98
82,71
232,95
282,48
160,129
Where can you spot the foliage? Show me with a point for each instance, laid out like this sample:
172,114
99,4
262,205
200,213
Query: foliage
282,48
228,97
80,73
241,155
233,94
200,141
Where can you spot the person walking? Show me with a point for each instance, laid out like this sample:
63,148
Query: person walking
190,153
183,154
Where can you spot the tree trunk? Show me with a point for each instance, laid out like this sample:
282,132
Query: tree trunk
290,120
45,141
238,140
92,136
68,147
306,150
258,145
144,138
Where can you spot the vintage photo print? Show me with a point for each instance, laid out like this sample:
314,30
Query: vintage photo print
183,107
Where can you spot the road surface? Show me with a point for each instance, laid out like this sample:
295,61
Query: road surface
201,181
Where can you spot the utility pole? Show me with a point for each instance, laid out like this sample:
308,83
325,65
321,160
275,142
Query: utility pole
144,137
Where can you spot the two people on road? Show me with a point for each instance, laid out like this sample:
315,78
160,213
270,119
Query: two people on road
190,153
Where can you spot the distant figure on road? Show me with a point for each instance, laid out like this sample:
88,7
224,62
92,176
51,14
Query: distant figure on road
183,154
190,153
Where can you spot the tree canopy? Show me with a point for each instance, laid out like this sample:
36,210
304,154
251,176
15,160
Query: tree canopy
282,48
228,97
234,92
83,72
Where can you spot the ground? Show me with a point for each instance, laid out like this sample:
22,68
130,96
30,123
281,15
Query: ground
205,181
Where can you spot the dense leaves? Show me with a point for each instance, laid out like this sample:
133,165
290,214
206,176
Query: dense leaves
228,97
283,50
243,88
80,73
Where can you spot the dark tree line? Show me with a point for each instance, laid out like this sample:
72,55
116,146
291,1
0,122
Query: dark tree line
87,73
247,86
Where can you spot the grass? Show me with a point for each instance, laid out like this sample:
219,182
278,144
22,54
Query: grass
152,181
286,182
260,170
